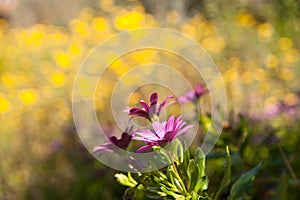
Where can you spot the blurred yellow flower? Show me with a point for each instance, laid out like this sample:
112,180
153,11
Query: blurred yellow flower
8,79
4,105
129,20
263,87
63,59
291,55
58,79
260,74
286,74
247,77
80,27
99,24
265,31
173,17
189,30
234,62
232,75
271,101
213,44
284,43
134,98
245,19
74,49
291,99
27,97
271,61
106,5
119,67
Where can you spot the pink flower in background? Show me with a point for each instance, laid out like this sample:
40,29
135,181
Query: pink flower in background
193,95
162,133
150,111
115,143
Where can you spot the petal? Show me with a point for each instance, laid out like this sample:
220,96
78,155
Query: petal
146,136
170,124
139,112
127,109
113,140
184,130
145,105
200,90
153,98
106,147
159,129
187,97
163,103
169,136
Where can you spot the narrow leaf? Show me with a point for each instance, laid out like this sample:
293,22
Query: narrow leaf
244,182
227,174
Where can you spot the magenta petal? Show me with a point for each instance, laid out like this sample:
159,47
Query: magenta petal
169,136
187,97
138,112
127,110
146,136
106,147
158,129
162,104
153,98
145,105
144,148
185,129
170,124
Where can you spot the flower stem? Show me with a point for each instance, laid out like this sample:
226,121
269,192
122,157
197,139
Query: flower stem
177,174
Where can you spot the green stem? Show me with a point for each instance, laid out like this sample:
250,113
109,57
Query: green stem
287,163
177,174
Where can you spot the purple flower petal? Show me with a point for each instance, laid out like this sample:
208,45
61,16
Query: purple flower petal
150,111
163,103
145,105
153,98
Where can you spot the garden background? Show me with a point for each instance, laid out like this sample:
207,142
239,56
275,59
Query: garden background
255,44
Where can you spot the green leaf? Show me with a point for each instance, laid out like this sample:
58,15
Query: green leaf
190,171
199,158
175,180
186,158
176,150
126,180
282,187
201,185
180,197
169,192
227,174
195,178
244,182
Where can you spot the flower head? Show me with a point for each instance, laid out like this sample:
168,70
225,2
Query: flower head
150,111
116,143
162,133
193,95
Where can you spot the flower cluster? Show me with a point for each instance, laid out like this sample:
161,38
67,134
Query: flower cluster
160,133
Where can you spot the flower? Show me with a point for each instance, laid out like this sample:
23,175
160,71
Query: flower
115,143
193,95
150,111
162,133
